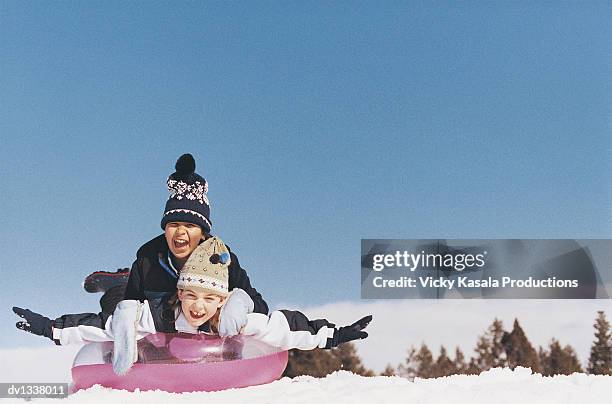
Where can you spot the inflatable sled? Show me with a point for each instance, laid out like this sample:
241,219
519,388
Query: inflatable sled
182,363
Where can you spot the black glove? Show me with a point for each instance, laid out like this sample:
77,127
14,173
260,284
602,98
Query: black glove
351,332
34,323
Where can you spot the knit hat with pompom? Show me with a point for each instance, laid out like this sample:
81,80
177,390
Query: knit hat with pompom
188,201
206,268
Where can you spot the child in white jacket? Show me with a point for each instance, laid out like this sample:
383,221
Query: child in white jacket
202,290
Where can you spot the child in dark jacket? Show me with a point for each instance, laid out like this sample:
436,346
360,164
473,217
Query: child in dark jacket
203,290
186,223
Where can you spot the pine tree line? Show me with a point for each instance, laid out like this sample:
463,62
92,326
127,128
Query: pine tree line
499,348
494,348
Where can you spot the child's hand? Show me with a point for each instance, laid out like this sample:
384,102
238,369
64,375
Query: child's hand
34,323
123,323
234,313
351,332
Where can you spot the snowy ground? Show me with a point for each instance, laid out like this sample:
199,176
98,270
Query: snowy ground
497,385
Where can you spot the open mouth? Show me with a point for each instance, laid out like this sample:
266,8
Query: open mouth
196,315
180,243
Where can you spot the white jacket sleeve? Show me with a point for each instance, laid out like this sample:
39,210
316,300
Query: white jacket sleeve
91,327
281,330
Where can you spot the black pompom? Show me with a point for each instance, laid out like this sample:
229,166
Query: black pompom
214,259
185,165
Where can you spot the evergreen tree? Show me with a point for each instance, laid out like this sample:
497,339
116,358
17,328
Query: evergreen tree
572,362
496,333
389,371
349,360
600,360
545,362
558,360
424,358
443,365
459,362
408,369
490,352
519,351
484,357
418,364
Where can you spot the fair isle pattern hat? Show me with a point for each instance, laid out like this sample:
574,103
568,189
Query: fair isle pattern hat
188,201
207,268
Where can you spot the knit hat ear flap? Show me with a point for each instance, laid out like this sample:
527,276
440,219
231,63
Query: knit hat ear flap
188,201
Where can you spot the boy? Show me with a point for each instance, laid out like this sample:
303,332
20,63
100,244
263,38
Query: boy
202,292
186,222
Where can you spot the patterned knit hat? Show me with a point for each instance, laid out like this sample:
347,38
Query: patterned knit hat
207,268
188,201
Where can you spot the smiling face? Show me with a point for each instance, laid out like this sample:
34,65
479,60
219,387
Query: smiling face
182,238
199,306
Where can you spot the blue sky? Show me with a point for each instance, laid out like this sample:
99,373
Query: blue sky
316,124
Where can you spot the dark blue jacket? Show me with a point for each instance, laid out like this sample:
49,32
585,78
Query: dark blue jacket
152,276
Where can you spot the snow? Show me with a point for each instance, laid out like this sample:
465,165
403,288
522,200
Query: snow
498,385
50,364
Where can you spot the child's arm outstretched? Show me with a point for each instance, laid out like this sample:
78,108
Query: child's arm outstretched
34,323
292,329
85,327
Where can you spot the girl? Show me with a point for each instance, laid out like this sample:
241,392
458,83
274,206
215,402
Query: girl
202,290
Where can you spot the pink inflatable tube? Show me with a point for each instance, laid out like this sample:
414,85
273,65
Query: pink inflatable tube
182,363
